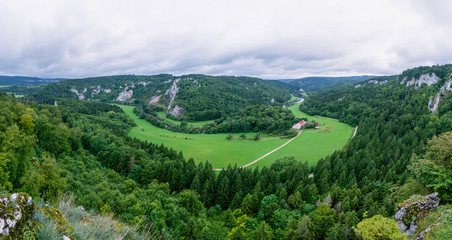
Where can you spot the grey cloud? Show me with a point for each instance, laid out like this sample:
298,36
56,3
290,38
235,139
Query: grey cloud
266,39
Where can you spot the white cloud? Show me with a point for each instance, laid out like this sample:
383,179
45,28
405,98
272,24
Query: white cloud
270,39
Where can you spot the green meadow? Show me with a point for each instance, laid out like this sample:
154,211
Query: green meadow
310,146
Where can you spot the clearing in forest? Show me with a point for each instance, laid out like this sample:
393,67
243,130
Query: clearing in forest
310,146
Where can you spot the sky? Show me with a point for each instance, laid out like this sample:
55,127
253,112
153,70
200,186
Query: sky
268,39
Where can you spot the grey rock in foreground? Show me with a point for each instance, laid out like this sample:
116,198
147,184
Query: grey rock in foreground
415,209
16,210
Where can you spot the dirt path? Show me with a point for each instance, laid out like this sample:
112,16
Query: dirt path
274,150
356,129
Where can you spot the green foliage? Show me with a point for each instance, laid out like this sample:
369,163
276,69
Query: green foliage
256,118
379,227
323,219
311,84
219,152
83,148
203,97
306,229
263,231
435,170
44,180
16,217
250,204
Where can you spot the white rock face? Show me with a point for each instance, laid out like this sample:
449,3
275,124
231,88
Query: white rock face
403,80
125,95
96,91
107,90
13,197
79,95
2,225
154,100
433,103
428,79
11,223
17,215
377,82
172,91
357,86
447,85
144,83
177,111
273,100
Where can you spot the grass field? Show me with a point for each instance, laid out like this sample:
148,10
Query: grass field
310,146
293,98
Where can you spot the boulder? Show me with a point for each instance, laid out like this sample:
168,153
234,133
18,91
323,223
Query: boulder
413,209
16,212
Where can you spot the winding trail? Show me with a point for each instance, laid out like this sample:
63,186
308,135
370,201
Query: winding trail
272,151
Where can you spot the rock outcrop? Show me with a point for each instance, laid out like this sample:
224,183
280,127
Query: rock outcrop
172,92
154,99
377,82
423,234
16,210
79,95
433,103
176,111
428,79
96,91
125,95
412,210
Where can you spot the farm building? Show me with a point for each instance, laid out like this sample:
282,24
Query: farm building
299,124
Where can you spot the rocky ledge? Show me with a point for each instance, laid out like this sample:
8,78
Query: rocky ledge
16,211
413,209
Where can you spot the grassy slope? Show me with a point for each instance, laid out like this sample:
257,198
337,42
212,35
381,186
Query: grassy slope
313,144
310,146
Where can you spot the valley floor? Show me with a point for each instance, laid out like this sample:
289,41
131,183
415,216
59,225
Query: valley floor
310,146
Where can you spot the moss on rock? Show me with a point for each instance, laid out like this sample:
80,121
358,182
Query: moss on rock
16,212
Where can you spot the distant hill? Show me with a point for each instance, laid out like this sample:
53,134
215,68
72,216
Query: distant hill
193,97
309,84
22,80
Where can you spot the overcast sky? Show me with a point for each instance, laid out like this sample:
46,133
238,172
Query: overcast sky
268,39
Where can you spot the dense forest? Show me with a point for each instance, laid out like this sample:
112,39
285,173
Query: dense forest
81,147
194,97
257,118
22,80
312,84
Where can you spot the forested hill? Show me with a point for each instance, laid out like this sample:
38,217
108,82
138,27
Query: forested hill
21,80
310,84
402,150
396,119
194,97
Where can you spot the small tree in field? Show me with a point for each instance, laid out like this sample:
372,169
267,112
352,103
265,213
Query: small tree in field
257,137
243,137
229,137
